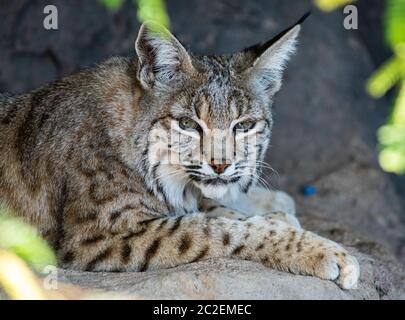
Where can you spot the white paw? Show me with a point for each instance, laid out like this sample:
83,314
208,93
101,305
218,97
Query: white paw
271,201
349,273
339,267
283,202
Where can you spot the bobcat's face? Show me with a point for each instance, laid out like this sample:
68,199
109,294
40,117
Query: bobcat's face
215,136
211,115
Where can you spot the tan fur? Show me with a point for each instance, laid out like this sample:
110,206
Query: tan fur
76,161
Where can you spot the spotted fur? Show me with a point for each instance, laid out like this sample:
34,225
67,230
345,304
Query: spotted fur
99,162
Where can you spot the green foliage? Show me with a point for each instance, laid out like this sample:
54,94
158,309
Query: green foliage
148,10
395,25
391,136
153,10
392,145
385,78
112,4
20,238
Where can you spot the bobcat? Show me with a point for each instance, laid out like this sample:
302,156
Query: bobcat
112,165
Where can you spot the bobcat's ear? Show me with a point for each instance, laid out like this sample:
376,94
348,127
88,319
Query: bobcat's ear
267,61
163,61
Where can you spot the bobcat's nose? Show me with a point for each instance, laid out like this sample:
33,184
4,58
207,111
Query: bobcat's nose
219,167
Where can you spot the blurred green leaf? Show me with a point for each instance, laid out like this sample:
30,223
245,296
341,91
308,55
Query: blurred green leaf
22,239
148,10
395,24
112,4
385,77
398,113
392,159
17,280
153,10
391,137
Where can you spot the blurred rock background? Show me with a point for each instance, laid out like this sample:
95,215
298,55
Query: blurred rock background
325,123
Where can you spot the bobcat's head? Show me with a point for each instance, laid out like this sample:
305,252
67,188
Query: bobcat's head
210,115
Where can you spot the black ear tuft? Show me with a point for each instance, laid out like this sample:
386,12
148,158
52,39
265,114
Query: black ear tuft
304,17
259,48
265,63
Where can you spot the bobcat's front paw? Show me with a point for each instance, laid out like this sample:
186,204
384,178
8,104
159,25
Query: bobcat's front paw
332,262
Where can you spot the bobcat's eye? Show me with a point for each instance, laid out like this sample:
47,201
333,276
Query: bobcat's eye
188,124
244,125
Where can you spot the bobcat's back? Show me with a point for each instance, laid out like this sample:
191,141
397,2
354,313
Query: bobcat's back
46,133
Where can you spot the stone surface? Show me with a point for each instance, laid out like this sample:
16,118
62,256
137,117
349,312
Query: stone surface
324,132
232,279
